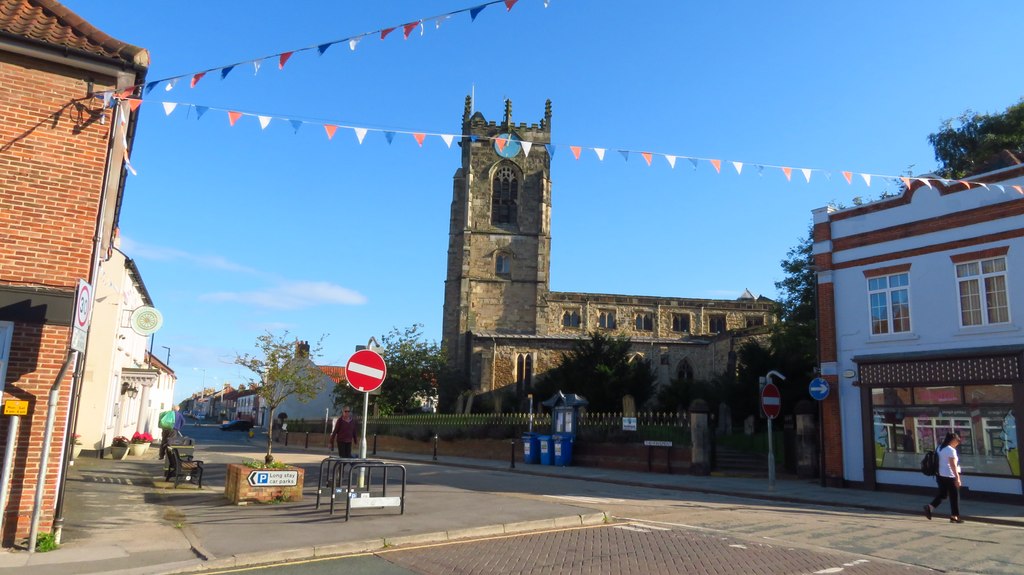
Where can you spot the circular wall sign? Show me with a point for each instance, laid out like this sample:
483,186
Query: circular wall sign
146,320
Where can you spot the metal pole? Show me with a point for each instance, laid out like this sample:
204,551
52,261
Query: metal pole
531,412
771,458
5,479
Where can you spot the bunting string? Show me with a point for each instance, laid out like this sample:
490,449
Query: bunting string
281,58
420,136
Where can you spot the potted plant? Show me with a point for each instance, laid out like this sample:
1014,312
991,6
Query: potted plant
140,443
76,446
119,447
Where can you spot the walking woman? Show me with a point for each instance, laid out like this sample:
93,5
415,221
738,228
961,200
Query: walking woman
948,478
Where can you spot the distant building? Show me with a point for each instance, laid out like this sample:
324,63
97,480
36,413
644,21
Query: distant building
919,300
503,327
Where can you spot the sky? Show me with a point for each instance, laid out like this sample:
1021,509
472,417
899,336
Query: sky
239,230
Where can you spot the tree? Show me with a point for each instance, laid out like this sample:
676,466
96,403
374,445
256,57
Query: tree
964,149
414,368
600,369
282,368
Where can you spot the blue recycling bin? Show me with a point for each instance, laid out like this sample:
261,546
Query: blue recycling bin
562,449
531,448
545,449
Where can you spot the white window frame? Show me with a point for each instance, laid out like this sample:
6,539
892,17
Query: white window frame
887,292
979,278
6,335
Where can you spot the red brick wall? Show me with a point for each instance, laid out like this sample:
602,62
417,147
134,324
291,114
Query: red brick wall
53,148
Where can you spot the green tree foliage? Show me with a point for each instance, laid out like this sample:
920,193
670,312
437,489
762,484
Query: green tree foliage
415,367
963,149
599,369
281,373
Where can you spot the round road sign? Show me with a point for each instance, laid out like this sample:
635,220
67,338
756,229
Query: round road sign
365,370
771,401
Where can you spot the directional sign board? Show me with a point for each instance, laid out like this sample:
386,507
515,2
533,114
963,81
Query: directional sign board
365,370
771,400
819,388
273,477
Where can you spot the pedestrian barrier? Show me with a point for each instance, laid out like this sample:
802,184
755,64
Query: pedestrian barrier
332,470
364,495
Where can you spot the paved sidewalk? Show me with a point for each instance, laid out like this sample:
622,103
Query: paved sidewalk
118,521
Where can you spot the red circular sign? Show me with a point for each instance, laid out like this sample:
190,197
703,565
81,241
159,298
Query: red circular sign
365,370
771,400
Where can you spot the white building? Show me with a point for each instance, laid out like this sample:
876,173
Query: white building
921,306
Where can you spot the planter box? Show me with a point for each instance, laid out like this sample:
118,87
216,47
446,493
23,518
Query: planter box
239,491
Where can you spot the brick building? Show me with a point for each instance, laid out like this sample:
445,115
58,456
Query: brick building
502,324
916,296
61,172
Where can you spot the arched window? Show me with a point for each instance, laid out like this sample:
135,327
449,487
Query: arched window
504,195
571,318
502,264
606,320
685,371
524,371
644,322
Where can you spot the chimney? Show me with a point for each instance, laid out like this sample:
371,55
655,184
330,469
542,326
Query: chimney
301,348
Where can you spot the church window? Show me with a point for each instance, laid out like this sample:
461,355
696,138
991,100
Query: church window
755,321
524,371
681,322
716,323
571,318
504,195
685,371
606,320
502,265
644,322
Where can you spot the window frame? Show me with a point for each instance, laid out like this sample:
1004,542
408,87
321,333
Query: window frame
712,317
606,319
571,318
676,321
643,321
505,195
979,279
888,291
499,258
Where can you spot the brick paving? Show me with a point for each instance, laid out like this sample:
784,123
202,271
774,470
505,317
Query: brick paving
632,549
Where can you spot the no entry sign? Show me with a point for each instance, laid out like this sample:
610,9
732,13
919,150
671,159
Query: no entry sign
771,400
365,370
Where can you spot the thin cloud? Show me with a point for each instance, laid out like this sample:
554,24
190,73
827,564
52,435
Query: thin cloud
135,249
292,295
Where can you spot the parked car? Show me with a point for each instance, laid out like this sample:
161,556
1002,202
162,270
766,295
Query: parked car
237,425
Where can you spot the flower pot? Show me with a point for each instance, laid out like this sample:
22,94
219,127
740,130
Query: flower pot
138,449
118,452
76,450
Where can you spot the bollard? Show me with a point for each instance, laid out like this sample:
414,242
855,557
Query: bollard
375,444
435,447
512,460
307,440
286,438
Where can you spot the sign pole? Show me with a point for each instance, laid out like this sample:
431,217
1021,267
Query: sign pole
772,407
5,479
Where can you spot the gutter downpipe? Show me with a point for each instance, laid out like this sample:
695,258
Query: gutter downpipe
44,458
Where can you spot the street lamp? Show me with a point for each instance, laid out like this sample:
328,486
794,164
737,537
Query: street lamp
168,362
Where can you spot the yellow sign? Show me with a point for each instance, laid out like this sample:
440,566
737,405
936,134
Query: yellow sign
16,407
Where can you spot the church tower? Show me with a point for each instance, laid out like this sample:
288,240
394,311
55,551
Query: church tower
499,239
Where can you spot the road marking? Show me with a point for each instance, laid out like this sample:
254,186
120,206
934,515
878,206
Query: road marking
632,528
583,499
652,527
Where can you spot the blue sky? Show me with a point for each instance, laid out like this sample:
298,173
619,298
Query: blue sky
238,230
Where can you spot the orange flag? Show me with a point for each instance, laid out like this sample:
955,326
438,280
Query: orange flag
284,58
789,174
232,117
717,164
195,80
576,151
420,136
134,103
848,176
330,128
647,156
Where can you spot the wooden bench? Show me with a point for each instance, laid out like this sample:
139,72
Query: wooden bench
183,468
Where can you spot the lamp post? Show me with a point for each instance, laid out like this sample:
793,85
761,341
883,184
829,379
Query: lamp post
168,362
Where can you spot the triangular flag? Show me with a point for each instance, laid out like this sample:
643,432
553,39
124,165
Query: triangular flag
473,138
1020,190
694,162
296,124
600,153
448,138
196,79
867,179
128,163
389,136
225,71
717,164
500,142
848,176
625,154
473,12
924,181
807,174
420,136
526,148
760,170
575,151
149,87
126,93
170,84
330,129
437,23
408,28
233,117
647,156
906,182
384,33
200,110
510,3
980,184
264,122
1001,188
256,66
352,43
360,134
789,174
134,103
323,47
965,183
551,150
738,166
282,59
671,161
169,107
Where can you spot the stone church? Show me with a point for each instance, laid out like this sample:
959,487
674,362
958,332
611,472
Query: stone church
503,326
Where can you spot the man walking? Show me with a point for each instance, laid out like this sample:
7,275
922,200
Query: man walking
345,433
